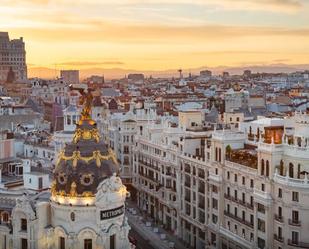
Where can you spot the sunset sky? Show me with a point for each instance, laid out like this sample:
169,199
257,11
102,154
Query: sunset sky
159,34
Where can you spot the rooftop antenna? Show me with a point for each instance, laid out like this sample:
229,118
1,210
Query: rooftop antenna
180,73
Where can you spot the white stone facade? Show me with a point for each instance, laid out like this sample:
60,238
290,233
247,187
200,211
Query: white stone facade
256,199
36,223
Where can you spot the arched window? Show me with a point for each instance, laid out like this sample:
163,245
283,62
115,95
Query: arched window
262,167
291,170
5,217
267,168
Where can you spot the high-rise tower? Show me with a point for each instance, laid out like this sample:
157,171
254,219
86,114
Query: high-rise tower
12,58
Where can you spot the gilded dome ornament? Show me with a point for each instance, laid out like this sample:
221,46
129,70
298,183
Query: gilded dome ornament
86,161
73,192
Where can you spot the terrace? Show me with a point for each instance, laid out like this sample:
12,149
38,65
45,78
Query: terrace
244,157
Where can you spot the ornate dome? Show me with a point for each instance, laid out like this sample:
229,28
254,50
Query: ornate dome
86,162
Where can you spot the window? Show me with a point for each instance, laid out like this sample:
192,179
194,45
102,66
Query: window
235,194
5,217
24,244
69,120
261,208
23,224
279,212
214,189
235,178
295,216
228,175
262,167
261,225
243,180
295,237
215,203
243,215
251,236
261,243
251,219
216,155
267,168
243,197
295,196
87,243
40,184
279,232
251,184
214,219
61,243
112,242
263,187
291,170
280,192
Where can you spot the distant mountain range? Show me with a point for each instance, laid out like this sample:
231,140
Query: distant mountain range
111,73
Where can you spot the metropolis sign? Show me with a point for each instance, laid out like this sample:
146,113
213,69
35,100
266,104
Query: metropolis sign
108,214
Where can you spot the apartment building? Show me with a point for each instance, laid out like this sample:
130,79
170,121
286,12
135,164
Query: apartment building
119,131
244,188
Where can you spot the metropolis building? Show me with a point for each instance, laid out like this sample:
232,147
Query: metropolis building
85,207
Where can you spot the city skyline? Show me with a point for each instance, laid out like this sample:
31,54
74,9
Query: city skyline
158,35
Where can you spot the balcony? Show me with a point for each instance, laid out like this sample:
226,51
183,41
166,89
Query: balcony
278,218
241,202
293,182
298,244
296,223
238,219
278,238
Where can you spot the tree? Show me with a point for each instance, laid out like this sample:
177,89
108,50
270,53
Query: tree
228,151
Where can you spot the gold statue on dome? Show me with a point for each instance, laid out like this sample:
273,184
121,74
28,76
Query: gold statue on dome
85,100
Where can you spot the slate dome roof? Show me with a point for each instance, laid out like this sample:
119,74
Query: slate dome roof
84,163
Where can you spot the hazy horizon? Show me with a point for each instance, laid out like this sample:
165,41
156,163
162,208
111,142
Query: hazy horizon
112,73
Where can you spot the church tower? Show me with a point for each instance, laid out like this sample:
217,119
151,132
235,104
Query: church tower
87,195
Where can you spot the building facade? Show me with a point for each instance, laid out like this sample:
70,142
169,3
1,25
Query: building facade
12,57
70,76
240,188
